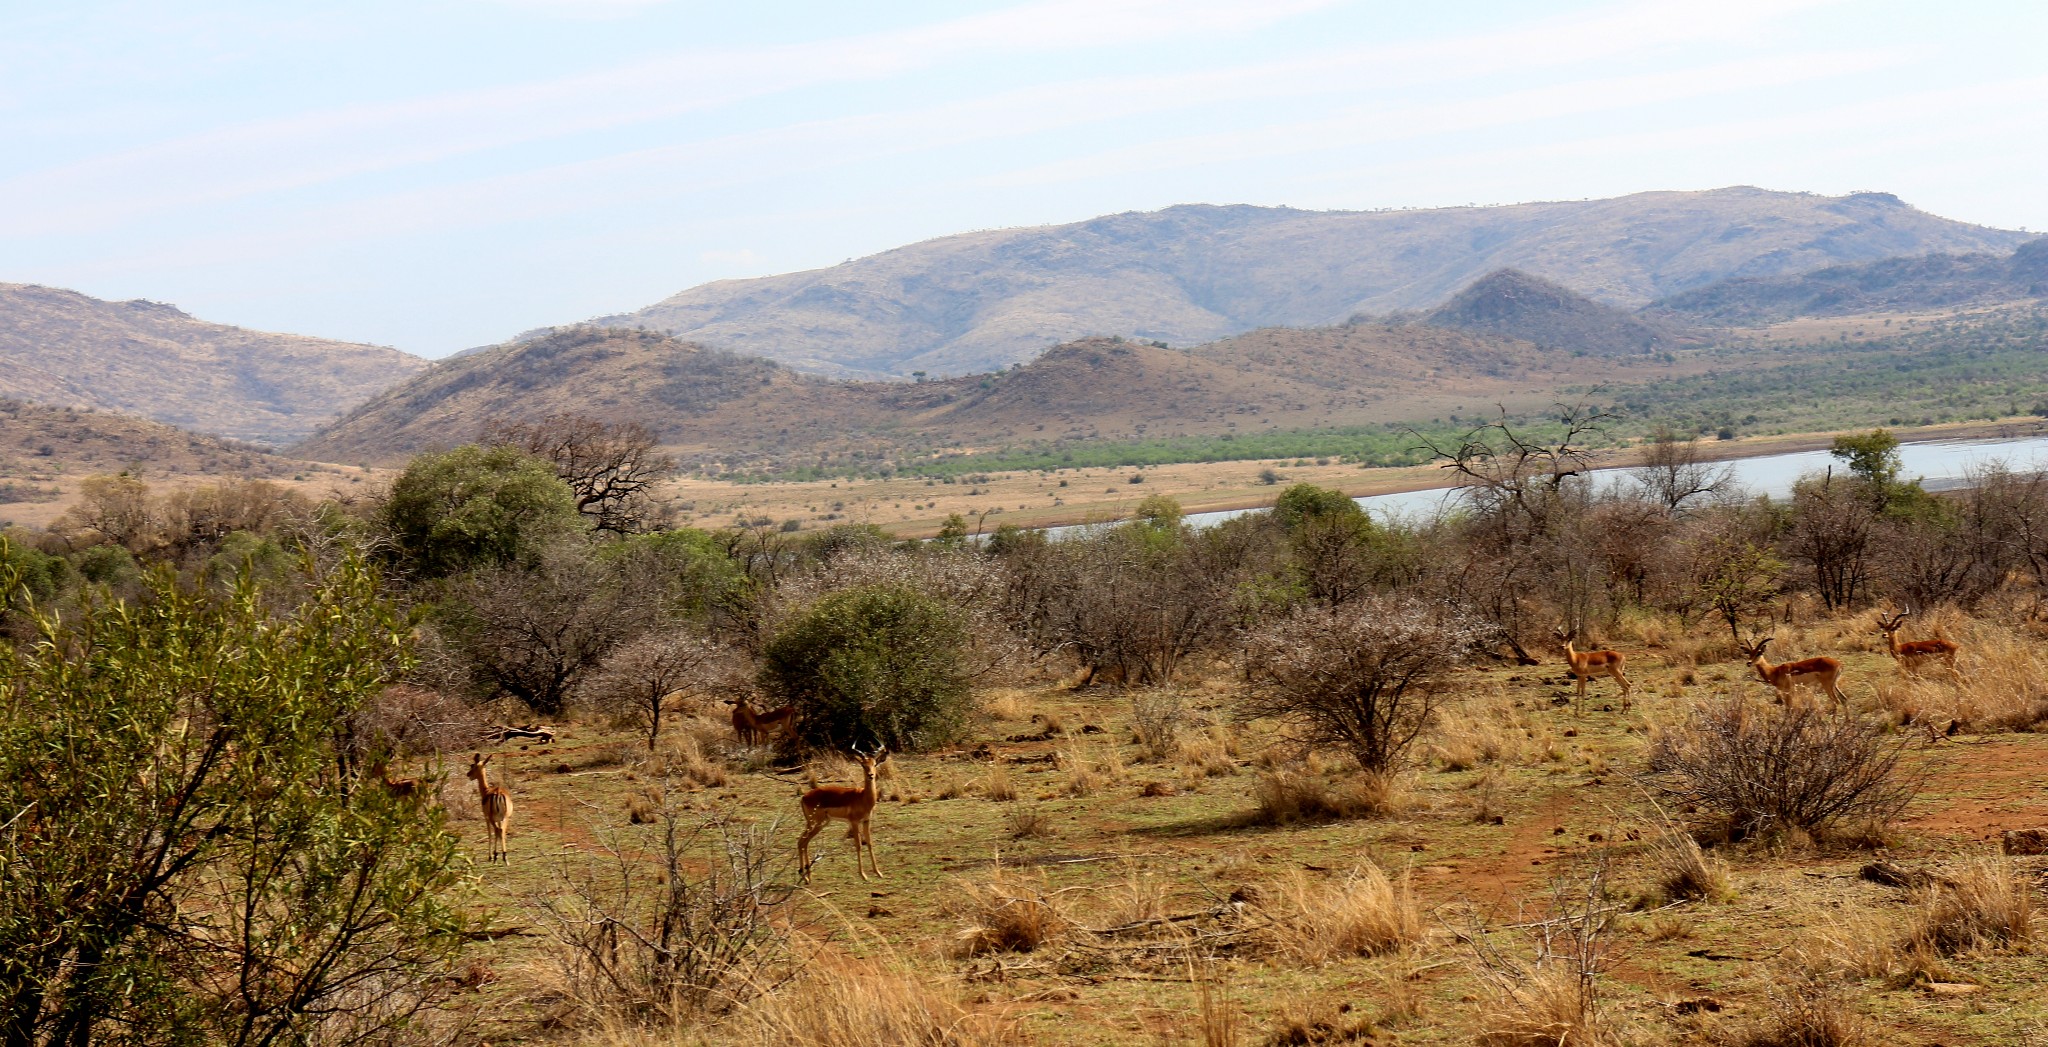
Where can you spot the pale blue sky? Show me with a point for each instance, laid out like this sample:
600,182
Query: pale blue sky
435,174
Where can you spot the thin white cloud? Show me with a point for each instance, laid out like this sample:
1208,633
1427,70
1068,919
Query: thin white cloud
330,145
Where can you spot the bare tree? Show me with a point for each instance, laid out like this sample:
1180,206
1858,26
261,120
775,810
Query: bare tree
1675,475
1362,676
611,466
1514,476
646,673
533,631
1832,527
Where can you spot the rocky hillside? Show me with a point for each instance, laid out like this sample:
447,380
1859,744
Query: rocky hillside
1185,275
149,359
1513,303
718,410
1935,281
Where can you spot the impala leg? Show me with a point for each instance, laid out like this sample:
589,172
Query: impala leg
867,835
1626,688
803,851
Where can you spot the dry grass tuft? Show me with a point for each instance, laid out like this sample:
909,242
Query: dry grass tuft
1284,798
1010,706
1364,914
1029,823
1547,1009
1316,1023
1806,1014
1010,912
842,1002
1158,719
996,785
1091,768
1686,873
1986,905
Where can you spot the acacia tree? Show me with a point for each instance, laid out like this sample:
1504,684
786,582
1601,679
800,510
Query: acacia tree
611,466
1675,475
186,857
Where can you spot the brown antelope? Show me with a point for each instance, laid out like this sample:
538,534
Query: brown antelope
497,804
1914,654
1824,673
826,802
753,728
403,788
1587,664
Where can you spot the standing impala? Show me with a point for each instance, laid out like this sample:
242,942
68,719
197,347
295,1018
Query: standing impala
1588,664
826,802
497,804
1913,654
1823,672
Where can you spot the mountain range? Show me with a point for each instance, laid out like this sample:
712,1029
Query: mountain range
981,301
1933,281
152,360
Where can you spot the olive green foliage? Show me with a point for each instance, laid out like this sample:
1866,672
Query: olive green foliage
874,665
41,576
110,565
1160,511
691,573
1873,457
475,506
186,856
1302,503
953,533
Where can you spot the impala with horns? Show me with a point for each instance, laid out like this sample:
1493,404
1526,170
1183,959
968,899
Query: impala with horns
1915,654
854,806
1823,672
1587,664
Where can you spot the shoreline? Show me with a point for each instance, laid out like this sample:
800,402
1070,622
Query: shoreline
1411,478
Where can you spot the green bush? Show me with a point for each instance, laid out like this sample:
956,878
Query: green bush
475,506
879,664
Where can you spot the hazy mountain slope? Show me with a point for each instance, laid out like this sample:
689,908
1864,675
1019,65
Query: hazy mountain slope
719,409
1923,282
979,301
1513,303
149,359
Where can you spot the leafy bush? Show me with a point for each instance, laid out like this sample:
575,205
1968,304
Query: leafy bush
871,665
475,506
182,862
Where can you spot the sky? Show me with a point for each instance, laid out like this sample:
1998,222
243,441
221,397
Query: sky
440,174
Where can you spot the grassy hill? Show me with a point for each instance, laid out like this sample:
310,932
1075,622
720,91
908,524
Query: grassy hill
980,301
149,359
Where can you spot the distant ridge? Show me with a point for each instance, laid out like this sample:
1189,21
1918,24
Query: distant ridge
1513,303
1190,274
152,360
1935,281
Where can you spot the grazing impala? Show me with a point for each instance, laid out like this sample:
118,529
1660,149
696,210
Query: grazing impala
826,802
1824,673
497,804
1914,654
1588,664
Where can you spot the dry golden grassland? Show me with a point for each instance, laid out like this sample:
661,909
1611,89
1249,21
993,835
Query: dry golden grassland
1137,868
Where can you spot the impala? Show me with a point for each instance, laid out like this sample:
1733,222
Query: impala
497,804
1823,672
1913,654
1588,664
827,802
403,788
753,728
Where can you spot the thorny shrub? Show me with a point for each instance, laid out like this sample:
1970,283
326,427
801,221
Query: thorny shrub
1362,677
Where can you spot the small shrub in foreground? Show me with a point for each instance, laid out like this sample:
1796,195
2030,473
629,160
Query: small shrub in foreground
842,1002
1988,904
1008,913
